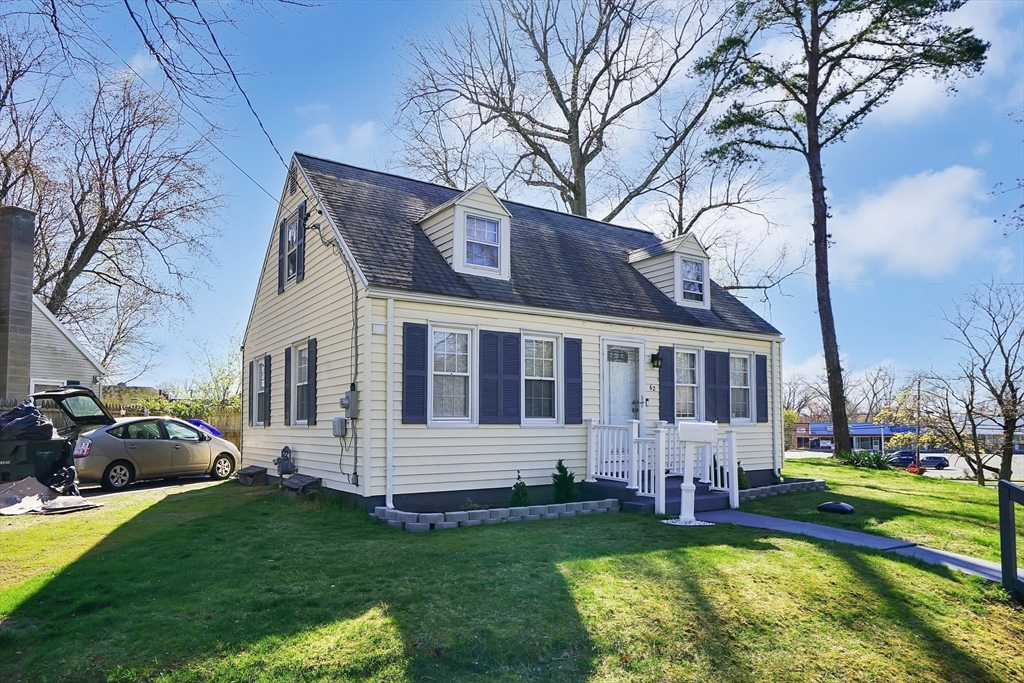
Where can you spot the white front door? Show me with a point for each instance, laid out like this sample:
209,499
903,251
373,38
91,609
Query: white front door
622,368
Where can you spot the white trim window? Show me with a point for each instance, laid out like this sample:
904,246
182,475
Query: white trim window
450,369
291,232
300,382
691,280
687,387
259,392
740,396
483,242
540,379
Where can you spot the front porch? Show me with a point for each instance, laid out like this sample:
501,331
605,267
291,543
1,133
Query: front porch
646,473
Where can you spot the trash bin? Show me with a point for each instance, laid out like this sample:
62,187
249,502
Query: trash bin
39,459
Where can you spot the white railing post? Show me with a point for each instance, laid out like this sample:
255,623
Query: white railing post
634,446
660,437
687,490
734,485
591,451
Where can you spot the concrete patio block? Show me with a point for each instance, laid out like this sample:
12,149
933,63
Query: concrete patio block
500,513
380,512
550,515
607,503
406,517
518,512
585,511
491,520
470,522
556,508
590,505
446,525
567,513
457,516
391,514
600,511
573,507
538,509
531,518
394,523
417,526
479,514
431,517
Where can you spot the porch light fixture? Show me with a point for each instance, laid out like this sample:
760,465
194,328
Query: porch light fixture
656,360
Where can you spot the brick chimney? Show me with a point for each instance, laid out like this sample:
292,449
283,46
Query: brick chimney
17,241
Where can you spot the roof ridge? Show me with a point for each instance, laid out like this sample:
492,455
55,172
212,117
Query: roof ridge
458,191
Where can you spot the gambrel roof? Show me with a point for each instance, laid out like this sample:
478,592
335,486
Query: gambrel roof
558,261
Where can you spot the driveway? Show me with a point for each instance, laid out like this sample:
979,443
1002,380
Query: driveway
172,486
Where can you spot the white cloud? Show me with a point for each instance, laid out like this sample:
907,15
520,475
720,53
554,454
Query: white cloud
323,140
928,224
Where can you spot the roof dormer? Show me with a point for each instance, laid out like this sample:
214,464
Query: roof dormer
679,268
472,232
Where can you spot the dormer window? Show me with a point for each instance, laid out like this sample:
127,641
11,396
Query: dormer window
691,274
482,242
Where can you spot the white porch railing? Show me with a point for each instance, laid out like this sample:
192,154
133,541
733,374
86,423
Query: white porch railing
619,453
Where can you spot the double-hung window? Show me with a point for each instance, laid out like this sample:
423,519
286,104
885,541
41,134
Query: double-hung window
691,275
482,242
686,384
450,381
292,246
739,387
260,392
539,383
301,388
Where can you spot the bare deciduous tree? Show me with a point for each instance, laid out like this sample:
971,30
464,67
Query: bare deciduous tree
872,390
797,394
989,325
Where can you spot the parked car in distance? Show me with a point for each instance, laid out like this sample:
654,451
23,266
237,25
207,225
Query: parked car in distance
936,461
902,459
151,448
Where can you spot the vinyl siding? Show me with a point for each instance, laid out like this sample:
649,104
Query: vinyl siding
320,306
441,231
55,357
661,271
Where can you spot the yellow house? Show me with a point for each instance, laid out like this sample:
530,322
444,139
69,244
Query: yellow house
415,346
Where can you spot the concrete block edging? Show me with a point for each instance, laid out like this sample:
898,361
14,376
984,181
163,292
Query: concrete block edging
436,521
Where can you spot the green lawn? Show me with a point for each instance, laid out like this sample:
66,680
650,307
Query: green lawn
957,516
233,584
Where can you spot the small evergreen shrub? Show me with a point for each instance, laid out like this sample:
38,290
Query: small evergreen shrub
741,479
470,505
520,494
565,484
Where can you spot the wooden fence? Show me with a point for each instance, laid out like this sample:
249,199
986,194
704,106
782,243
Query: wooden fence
227,421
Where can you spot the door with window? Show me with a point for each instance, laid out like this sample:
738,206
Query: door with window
622,369
146,446
190,452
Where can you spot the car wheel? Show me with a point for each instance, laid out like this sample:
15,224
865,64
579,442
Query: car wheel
223,466
117,476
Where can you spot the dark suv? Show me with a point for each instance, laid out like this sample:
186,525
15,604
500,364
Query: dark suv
902,459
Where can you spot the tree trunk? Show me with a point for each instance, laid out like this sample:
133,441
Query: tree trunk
830,345
1006,461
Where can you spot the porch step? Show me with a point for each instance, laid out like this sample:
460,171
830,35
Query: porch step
705,500
701,503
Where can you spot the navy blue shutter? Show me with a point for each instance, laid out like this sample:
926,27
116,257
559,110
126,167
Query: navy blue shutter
414,373
300,248
500,377
281,256
311,382
761,389
288,385
266,392
667,384
249,399
490,377
511,378
572,375
716,387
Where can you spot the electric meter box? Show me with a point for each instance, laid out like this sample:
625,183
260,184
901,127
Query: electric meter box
339,426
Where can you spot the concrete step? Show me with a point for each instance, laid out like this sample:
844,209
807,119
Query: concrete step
702,503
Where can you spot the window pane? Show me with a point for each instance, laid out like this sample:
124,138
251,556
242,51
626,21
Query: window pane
180,432
738,371
302,365
481,254
686,405
262,374
539,358
692,273
740,403
686,368
144,430
301,402
261,409
540,398
450,394
481,230
692,270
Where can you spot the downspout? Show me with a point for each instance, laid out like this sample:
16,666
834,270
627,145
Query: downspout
389,420
777,414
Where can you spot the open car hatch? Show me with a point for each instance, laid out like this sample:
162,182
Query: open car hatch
79,404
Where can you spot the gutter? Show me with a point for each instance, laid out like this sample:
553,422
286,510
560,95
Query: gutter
389,429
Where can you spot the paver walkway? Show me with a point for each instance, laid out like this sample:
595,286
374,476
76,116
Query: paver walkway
969,565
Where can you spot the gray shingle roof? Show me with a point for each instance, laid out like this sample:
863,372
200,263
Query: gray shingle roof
558,261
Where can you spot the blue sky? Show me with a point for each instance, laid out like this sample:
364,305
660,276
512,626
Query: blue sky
913,218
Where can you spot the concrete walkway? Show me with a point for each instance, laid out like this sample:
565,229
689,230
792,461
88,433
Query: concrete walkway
968,565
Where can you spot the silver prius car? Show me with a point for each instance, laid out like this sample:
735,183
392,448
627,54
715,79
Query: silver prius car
118,452
150,448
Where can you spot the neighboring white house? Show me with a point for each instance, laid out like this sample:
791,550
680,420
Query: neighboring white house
58,358
472,338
